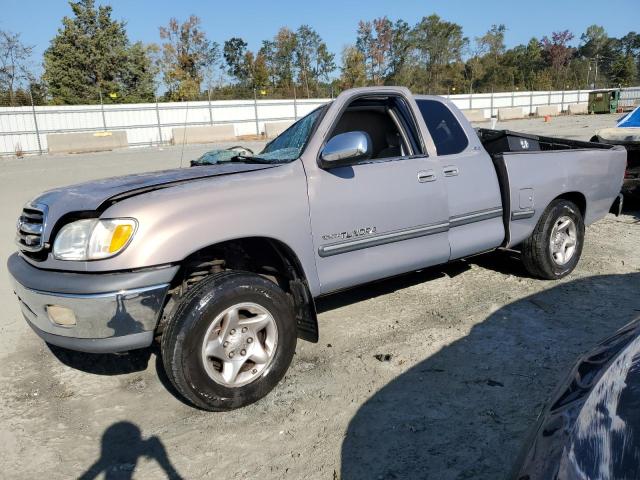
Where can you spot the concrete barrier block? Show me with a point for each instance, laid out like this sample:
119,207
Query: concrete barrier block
475,115
578,108
204,134
273,129
86,141
510,113
544,110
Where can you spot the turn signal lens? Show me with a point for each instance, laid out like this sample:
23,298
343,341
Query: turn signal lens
120,237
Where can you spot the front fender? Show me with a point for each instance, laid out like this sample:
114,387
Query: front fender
177,221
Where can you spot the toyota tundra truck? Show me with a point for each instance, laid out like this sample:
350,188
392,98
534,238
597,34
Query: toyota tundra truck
220,262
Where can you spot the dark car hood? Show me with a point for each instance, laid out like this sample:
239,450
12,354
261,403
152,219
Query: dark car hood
591,427
97,194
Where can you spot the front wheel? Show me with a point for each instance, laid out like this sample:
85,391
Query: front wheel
230,341
554,248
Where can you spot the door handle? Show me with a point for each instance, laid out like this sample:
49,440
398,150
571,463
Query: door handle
426,176
450,171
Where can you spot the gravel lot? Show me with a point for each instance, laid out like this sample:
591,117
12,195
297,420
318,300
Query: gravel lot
474,349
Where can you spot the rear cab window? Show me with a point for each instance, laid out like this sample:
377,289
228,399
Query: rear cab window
448,135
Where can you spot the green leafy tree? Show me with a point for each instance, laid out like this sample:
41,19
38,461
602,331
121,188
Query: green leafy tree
235,52
91,55
353,68
307,42
284,47
375,41
251,70
492,44
187,56
595,45
278,55
268,52
312,58
624,71
593,41
400,53
438,44
528,62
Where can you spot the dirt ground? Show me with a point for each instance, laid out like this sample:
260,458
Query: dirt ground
468,354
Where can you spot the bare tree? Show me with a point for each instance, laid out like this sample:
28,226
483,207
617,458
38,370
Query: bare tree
14,63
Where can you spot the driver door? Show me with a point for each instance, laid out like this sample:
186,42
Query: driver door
378,217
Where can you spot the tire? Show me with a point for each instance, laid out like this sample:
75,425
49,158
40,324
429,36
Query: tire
202,379
537,251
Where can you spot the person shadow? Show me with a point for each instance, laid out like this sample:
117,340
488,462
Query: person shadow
122,447
465,410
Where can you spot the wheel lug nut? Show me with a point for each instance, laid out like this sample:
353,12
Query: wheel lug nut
244,329
233,331
255,370
249,340
225,344
243,352
231,354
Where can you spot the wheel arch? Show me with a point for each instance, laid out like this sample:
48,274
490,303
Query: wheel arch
578,198
265,256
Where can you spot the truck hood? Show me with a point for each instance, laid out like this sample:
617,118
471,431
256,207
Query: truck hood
99,194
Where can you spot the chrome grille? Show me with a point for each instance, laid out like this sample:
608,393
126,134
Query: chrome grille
31,227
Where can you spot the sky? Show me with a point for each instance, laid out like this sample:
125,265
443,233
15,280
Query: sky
335,20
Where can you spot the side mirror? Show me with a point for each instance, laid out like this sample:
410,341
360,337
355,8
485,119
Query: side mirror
346,148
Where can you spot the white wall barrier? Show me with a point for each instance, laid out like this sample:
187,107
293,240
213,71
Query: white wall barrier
26,128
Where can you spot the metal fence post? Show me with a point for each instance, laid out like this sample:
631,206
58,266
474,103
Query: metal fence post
295,104
35,122
159,126
491,114
210,111
512,98
549,98
470,101
255,111
104,120
562,103
531,103
578,96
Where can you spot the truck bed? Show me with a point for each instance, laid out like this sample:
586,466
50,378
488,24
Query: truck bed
533,170
502,141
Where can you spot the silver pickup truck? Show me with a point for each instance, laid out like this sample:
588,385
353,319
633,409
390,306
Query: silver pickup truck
220,263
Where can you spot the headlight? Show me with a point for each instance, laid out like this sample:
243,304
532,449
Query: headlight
93,239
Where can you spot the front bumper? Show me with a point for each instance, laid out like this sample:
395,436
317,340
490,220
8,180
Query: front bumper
113,312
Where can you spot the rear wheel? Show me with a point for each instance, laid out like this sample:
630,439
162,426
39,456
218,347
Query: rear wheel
229,341
554,248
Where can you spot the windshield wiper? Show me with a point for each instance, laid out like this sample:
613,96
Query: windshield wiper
250,159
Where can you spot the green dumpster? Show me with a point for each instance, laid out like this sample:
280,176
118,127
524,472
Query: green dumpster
604,101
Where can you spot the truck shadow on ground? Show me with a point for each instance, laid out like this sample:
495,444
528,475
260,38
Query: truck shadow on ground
117,364
631,206
104,363
389,285
464,412
122,446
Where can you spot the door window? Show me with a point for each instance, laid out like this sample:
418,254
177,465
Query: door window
381,120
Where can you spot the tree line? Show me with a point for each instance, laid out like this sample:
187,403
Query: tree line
91,59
